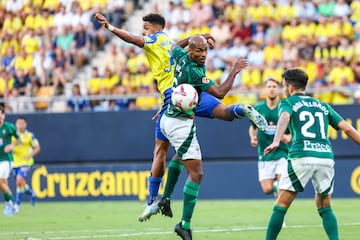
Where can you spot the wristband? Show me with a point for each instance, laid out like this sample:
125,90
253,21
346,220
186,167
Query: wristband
110,27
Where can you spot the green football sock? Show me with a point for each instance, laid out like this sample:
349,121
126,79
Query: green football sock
329,222
8,197
191,191
275,223
174,170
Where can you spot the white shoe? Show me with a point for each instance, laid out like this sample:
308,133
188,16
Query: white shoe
255,117
149,211
16,208
8,211
284,224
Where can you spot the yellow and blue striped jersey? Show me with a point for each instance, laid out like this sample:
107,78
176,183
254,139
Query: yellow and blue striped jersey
29,142
157,49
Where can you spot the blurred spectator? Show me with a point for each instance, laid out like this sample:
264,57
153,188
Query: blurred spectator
94,83
61,69
290,53
274,31
8,60
213,73
221,29
256,55
62,19
6,83
305,9
21,92
24,61
116,11
77,102
326,8
65,39
272,70
43,65
43,90
14,5
200,13
272,51
341,9
251,76
238,49
97,32
30,42
109,81
242,30
146,101
114,59
80,47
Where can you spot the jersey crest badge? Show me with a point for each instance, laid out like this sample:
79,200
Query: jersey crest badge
205,80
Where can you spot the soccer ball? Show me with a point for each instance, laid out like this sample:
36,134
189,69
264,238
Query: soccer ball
184,97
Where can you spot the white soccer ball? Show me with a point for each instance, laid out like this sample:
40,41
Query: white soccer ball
184,97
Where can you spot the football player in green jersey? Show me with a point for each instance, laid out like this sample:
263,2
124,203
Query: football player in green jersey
7,130
310,156
272,165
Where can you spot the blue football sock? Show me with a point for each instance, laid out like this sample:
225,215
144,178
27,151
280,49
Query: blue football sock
29,190
154,184
237,111
18,197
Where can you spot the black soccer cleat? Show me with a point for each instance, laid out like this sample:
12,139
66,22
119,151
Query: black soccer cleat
165,208
183,233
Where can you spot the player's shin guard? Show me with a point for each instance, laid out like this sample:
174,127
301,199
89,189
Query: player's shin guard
174,170
154,184
329,222
191,191
237,111
275,223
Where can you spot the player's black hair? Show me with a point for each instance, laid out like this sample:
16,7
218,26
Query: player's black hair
155,18
2,108
298,78
21,118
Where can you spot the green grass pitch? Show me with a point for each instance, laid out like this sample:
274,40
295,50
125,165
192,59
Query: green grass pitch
215,219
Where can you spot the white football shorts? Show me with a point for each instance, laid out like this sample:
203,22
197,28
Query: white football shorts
5,169
269,169
181,133
301,170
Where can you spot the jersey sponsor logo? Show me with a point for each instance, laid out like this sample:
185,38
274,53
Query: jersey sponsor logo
205,80
317,147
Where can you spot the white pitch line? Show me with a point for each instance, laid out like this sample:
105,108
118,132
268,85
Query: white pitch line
200,230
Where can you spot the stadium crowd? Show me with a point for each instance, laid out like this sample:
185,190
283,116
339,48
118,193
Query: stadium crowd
45,43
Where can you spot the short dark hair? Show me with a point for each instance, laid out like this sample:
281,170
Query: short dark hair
155,18
21,118
297,77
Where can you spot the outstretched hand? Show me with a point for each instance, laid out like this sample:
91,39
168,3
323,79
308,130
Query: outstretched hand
101,19
240,64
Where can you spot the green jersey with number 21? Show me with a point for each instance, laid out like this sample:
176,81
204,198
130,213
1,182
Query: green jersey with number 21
308,125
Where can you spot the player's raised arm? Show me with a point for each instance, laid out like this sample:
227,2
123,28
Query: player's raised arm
350,131
123,34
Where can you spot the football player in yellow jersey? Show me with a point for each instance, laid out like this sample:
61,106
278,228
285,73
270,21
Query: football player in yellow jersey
23,160
157,47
